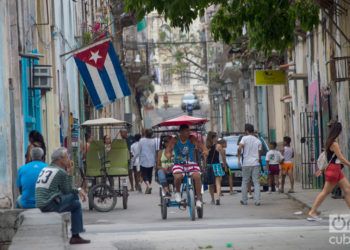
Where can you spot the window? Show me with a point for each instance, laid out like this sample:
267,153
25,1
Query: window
185,75
167,75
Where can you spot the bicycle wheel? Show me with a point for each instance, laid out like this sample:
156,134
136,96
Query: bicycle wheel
103,197
191,203
163,205
125,197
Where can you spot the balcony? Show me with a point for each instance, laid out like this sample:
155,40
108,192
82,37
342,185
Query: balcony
340,68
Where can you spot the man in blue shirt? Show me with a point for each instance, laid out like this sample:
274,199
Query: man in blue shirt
27,177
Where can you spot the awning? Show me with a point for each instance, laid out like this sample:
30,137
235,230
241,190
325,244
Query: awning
183,120
105,122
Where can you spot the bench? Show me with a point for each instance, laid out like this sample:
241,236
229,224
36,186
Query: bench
39,230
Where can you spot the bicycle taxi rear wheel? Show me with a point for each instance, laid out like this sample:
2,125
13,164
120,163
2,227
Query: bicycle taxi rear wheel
103,197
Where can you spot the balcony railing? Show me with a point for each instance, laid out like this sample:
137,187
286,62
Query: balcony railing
340,68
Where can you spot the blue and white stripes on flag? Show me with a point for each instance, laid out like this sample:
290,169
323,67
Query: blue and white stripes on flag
102,73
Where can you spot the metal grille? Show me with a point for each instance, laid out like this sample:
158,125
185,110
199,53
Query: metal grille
310,150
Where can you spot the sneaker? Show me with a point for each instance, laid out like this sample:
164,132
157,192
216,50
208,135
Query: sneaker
270,191
199,204
257,204
277,189
78,240
244,203
178,197
217,202
250,196
149,190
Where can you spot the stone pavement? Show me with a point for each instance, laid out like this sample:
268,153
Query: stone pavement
307,197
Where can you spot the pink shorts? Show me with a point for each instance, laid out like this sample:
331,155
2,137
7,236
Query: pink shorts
182,168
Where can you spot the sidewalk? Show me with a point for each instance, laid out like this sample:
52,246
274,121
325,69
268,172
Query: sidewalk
307,197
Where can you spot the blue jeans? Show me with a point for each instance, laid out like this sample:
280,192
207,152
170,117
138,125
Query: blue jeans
247,173
162,178
68,203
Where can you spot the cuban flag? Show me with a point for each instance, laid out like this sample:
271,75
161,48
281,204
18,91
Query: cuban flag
102,73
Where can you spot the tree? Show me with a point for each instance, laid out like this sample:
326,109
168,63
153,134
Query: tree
270,24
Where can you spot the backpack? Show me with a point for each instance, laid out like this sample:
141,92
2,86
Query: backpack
322,162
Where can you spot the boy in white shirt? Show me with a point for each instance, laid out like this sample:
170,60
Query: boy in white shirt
273,160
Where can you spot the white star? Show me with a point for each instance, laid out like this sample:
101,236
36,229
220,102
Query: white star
95,56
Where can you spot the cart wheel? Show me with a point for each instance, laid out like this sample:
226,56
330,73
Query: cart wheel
125,197
191,203
102,197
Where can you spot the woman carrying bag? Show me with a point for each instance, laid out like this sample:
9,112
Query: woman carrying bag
333,172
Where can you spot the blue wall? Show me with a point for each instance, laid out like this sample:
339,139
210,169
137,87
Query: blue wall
31,101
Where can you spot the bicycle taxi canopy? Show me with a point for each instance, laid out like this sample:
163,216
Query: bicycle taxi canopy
118,155
102,122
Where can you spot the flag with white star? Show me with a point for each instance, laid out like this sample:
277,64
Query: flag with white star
100,68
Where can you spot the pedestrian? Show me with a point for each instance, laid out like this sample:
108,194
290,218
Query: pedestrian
287,165
229,173
135,162
273,160
156,99
26,178
108,147
251,147
54,192
166,100
165,164
129,141
213,161
333,172
35,140
84,148
148,148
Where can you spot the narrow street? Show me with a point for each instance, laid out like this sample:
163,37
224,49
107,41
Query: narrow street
273,225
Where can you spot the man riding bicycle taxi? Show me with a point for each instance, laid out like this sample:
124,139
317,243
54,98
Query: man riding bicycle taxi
185,161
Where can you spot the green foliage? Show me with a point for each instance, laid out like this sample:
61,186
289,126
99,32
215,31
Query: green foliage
87,38
270,24
180,13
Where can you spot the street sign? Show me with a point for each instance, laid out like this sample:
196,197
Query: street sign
270,77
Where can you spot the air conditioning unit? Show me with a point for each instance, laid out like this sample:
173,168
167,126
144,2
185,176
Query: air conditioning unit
42,77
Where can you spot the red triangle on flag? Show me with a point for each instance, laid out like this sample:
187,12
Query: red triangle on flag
94,55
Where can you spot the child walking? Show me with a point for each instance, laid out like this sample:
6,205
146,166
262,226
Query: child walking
273,160
287,165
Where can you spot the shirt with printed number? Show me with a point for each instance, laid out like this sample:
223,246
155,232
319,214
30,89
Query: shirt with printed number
52,181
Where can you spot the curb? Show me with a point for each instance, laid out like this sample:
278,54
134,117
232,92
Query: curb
291,196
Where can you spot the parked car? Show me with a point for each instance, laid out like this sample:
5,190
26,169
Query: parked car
190,99
232,158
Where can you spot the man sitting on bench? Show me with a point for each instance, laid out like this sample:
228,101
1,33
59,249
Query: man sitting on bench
54,192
